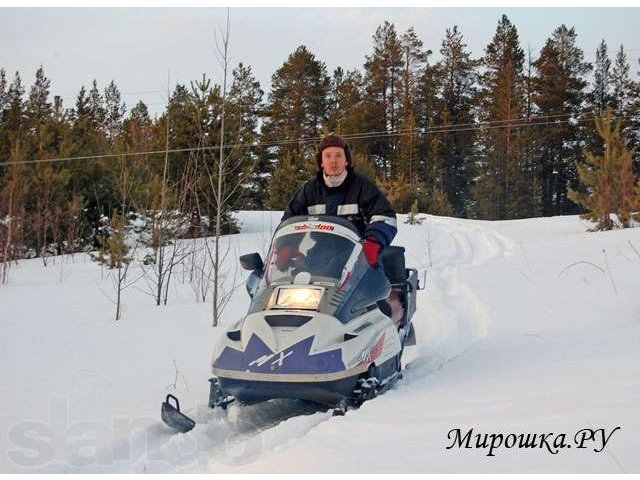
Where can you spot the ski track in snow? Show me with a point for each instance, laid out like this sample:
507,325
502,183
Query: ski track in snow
232,438
452,317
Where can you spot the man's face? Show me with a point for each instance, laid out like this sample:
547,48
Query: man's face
334,161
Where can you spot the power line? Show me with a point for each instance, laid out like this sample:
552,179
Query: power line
460,127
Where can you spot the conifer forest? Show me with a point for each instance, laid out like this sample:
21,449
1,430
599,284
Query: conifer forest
512,134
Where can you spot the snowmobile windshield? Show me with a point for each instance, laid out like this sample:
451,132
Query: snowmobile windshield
322,254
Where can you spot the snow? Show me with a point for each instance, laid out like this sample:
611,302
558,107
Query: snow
525,327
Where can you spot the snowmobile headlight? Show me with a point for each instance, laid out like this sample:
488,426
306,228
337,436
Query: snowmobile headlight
299,298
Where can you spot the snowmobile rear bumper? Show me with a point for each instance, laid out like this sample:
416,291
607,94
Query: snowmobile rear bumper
329,393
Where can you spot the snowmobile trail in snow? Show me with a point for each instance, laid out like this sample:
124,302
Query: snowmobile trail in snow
451,317
233,438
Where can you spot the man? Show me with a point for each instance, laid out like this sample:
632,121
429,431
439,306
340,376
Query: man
338,190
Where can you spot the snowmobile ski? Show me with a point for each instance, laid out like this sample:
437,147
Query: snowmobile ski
174,418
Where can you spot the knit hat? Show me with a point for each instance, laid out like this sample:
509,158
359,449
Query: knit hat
333,140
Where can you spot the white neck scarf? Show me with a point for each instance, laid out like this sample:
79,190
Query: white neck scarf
333,181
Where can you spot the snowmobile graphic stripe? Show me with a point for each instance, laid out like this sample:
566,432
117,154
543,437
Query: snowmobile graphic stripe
296,359
348,209
283,377
318,209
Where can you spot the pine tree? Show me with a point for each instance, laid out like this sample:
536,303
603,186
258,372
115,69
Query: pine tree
612,186
345,104
399,191
295,113
412,216
347,113
3,103
46,193
533,202
13,178
560,85
38,115
244,105
96,107
599,97
138,129
3,92
382,101
286,180
89,178
13,116
428,110
502,188
414,58
457,77
363,164
626,102
114,112
205,106
13,189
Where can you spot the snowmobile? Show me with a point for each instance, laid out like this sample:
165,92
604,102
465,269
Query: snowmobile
323,325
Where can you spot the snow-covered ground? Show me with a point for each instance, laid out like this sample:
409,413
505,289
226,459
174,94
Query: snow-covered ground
528,327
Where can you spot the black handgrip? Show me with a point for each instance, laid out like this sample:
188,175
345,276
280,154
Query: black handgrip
177,407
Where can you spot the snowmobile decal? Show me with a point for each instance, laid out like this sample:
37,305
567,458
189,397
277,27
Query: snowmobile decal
314,226
346,283
370,355
296,359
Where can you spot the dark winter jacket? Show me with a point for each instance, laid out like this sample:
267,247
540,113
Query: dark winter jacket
357,200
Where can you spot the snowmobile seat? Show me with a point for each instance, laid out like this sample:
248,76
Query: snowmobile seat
392,259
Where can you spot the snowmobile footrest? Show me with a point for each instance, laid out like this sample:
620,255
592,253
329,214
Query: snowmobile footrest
173,417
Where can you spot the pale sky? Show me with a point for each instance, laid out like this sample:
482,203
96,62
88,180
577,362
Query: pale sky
137,46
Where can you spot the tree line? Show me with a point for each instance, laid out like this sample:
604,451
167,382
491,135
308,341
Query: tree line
502,136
